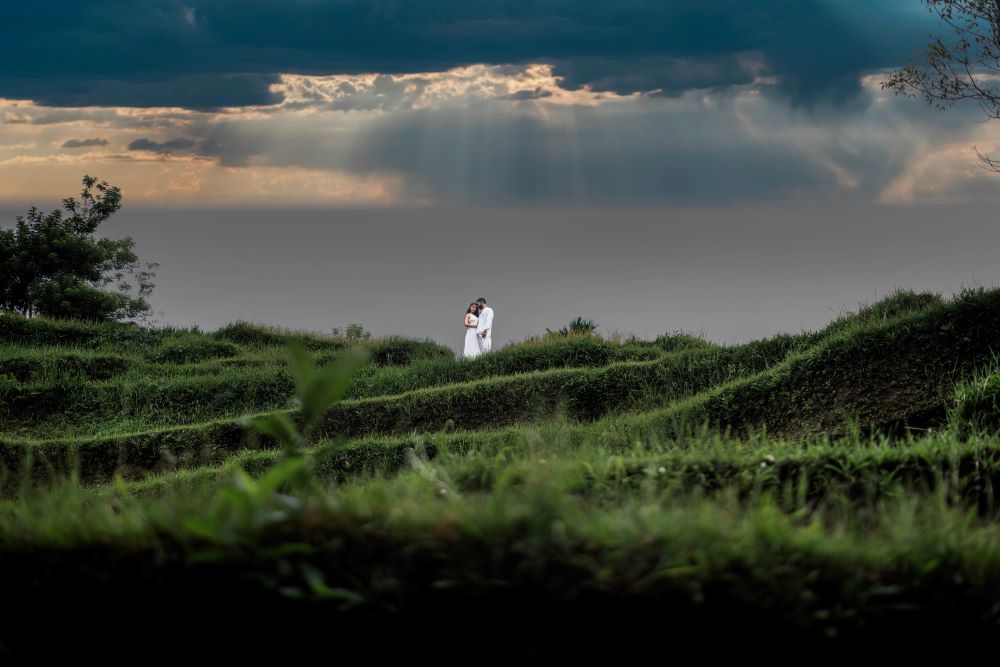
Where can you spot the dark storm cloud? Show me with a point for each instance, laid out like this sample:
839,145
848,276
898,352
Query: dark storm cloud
172,146
210,53
199,91
84,143
666,75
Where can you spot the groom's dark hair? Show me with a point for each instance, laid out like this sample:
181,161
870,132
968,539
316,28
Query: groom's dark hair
480,300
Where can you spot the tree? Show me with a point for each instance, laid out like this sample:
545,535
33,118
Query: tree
965,67
51,263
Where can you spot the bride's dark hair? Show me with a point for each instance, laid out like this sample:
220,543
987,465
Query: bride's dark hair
473,308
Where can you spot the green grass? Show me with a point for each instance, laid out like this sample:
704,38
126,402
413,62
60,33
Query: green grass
836,485
46,395
977,402
585,529
797,472
876,374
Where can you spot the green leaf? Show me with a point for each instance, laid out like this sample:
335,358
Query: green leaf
288,549
120,486
202,527
330,385
279,474
209,555
243,493
279,426
303,366
263,518
317,584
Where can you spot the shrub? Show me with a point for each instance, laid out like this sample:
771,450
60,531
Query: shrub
252,335
396,351
390,351
676,341
352,333
578,326
192,349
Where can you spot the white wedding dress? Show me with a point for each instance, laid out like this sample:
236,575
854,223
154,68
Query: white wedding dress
472,346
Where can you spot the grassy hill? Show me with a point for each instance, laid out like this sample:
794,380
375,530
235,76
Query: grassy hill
835,484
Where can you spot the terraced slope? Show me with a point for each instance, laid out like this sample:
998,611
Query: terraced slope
837,483
874,371
581,394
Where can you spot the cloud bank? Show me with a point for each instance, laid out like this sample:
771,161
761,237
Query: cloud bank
206,54
645,103
488,135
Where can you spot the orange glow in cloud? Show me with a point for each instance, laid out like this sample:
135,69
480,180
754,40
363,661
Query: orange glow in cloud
301,151
194,180
36,163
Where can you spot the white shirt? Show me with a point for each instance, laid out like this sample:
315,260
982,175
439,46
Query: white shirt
485,321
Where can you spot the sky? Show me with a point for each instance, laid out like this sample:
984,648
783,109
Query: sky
431,143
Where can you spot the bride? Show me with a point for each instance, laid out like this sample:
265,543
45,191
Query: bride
472,347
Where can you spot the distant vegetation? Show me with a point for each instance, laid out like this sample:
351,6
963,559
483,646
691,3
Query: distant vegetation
352,333
579,326
52,264
837,483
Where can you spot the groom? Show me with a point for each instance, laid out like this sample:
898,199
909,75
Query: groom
485,327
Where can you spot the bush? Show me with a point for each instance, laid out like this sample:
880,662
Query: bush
352,333
578,326
260,335
391,351
676,341
396,351
251,335
192,349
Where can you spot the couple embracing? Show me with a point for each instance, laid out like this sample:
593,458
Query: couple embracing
478,328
